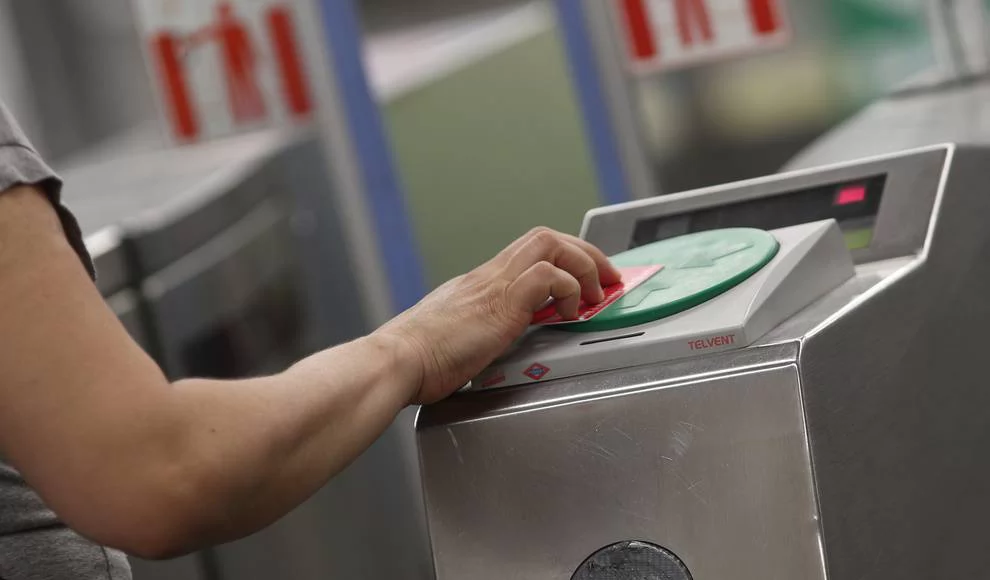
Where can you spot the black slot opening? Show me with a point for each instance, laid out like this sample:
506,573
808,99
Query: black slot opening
620,337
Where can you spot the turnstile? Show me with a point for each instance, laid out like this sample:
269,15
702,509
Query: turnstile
808,400
236,252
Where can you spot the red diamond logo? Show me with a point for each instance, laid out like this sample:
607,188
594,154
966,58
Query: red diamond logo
537,371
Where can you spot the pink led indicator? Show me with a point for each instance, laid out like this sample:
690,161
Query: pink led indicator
850,195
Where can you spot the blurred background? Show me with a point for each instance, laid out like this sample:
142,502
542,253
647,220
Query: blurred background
232,254
503,131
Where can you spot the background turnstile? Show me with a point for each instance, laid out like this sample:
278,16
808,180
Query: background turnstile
926,111
230,262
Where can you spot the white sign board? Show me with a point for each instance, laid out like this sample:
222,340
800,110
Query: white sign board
227,66
662,35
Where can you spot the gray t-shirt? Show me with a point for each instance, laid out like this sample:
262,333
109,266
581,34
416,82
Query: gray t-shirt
34,544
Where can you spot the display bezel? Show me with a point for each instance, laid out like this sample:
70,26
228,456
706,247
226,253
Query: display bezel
782,209
903,222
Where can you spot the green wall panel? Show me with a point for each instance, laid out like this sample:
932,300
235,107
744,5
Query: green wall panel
491,151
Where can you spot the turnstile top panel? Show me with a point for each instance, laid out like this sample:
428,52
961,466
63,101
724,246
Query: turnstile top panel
696,268
168,202
811,260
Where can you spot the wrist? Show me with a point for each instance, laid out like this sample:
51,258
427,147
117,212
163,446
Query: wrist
403,360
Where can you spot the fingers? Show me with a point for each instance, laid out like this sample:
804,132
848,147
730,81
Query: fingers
548,246
529,291
607,272
505,255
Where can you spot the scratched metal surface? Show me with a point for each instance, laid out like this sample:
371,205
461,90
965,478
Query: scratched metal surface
896,398
717,471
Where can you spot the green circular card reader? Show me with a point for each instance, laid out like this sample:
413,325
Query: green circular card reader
696,268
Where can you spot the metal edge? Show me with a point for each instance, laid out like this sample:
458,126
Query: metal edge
822,547
471,406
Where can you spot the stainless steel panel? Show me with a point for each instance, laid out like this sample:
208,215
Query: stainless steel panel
365,524
716,470
896,399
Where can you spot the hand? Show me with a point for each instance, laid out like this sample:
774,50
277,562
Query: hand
461,327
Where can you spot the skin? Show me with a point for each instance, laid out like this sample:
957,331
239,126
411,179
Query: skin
159,469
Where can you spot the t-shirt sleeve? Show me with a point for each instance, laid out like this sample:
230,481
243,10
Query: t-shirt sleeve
20,164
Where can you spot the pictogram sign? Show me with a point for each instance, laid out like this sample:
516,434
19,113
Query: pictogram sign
226,66
666,34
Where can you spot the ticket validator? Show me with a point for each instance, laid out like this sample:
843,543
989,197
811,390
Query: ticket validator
798,393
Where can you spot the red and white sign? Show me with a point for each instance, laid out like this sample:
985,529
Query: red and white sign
668,34
226,66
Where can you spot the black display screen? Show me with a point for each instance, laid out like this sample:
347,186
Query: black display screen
853,204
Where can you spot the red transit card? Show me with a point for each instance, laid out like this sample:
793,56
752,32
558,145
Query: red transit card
631,278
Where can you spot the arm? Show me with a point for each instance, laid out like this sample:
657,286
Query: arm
159,469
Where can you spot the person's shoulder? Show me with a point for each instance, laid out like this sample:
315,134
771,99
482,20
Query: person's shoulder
21,164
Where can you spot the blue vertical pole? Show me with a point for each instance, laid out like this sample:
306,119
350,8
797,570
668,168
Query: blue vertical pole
385,196
612,182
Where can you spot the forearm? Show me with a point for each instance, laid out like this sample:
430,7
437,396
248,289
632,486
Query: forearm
262,446
132,461
167,469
